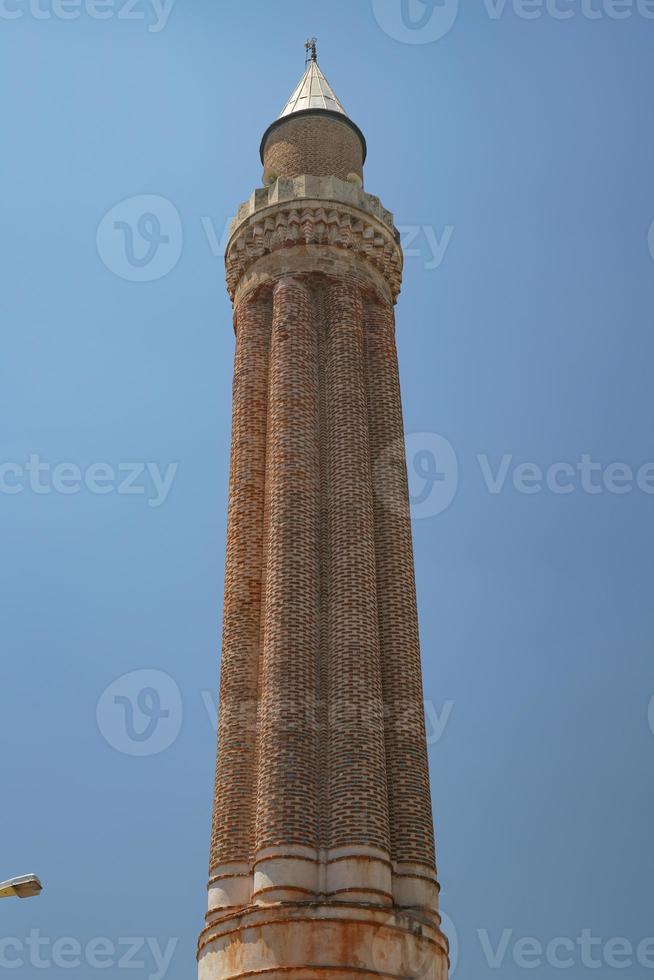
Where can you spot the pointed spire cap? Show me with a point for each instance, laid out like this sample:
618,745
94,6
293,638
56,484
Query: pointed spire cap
313,92
314,95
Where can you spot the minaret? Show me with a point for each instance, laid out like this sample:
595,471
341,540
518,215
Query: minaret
322,851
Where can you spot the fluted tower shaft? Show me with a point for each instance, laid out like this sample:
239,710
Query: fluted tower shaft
322,855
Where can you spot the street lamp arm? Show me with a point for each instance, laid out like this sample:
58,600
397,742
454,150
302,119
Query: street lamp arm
26,886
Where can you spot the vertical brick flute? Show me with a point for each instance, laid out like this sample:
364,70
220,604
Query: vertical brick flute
322,849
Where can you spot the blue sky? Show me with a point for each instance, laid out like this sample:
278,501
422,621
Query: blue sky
515,148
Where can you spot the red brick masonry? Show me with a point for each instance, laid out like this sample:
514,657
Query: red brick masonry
322,799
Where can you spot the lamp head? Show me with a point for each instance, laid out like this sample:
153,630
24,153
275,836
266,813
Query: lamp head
26,886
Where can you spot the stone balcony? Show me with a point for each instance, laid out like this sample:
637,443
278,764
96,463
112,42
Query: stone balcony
311,188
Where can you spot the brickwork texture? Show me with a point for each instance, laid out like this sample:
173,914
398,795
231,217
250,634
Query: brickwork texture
313,144
322,798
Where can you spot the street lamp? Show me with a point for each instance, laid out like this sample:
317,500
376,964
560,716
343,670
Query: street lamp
24,887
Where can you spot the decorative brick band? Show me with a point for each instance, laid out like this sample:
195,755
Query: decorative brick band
317,262
337,214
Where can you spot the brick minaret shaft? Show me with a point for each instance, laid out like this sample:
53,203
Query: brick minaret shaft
322,852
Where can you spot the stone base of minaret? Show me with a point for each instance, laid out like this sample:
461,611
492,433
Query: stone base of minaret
314,941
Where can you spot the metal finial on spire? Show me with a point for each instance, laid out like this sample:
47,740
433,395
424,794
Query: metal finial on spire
310,48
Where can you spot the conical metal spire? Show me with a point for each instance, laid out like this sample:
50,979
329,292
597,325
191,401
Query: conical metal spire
313,92
315,95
